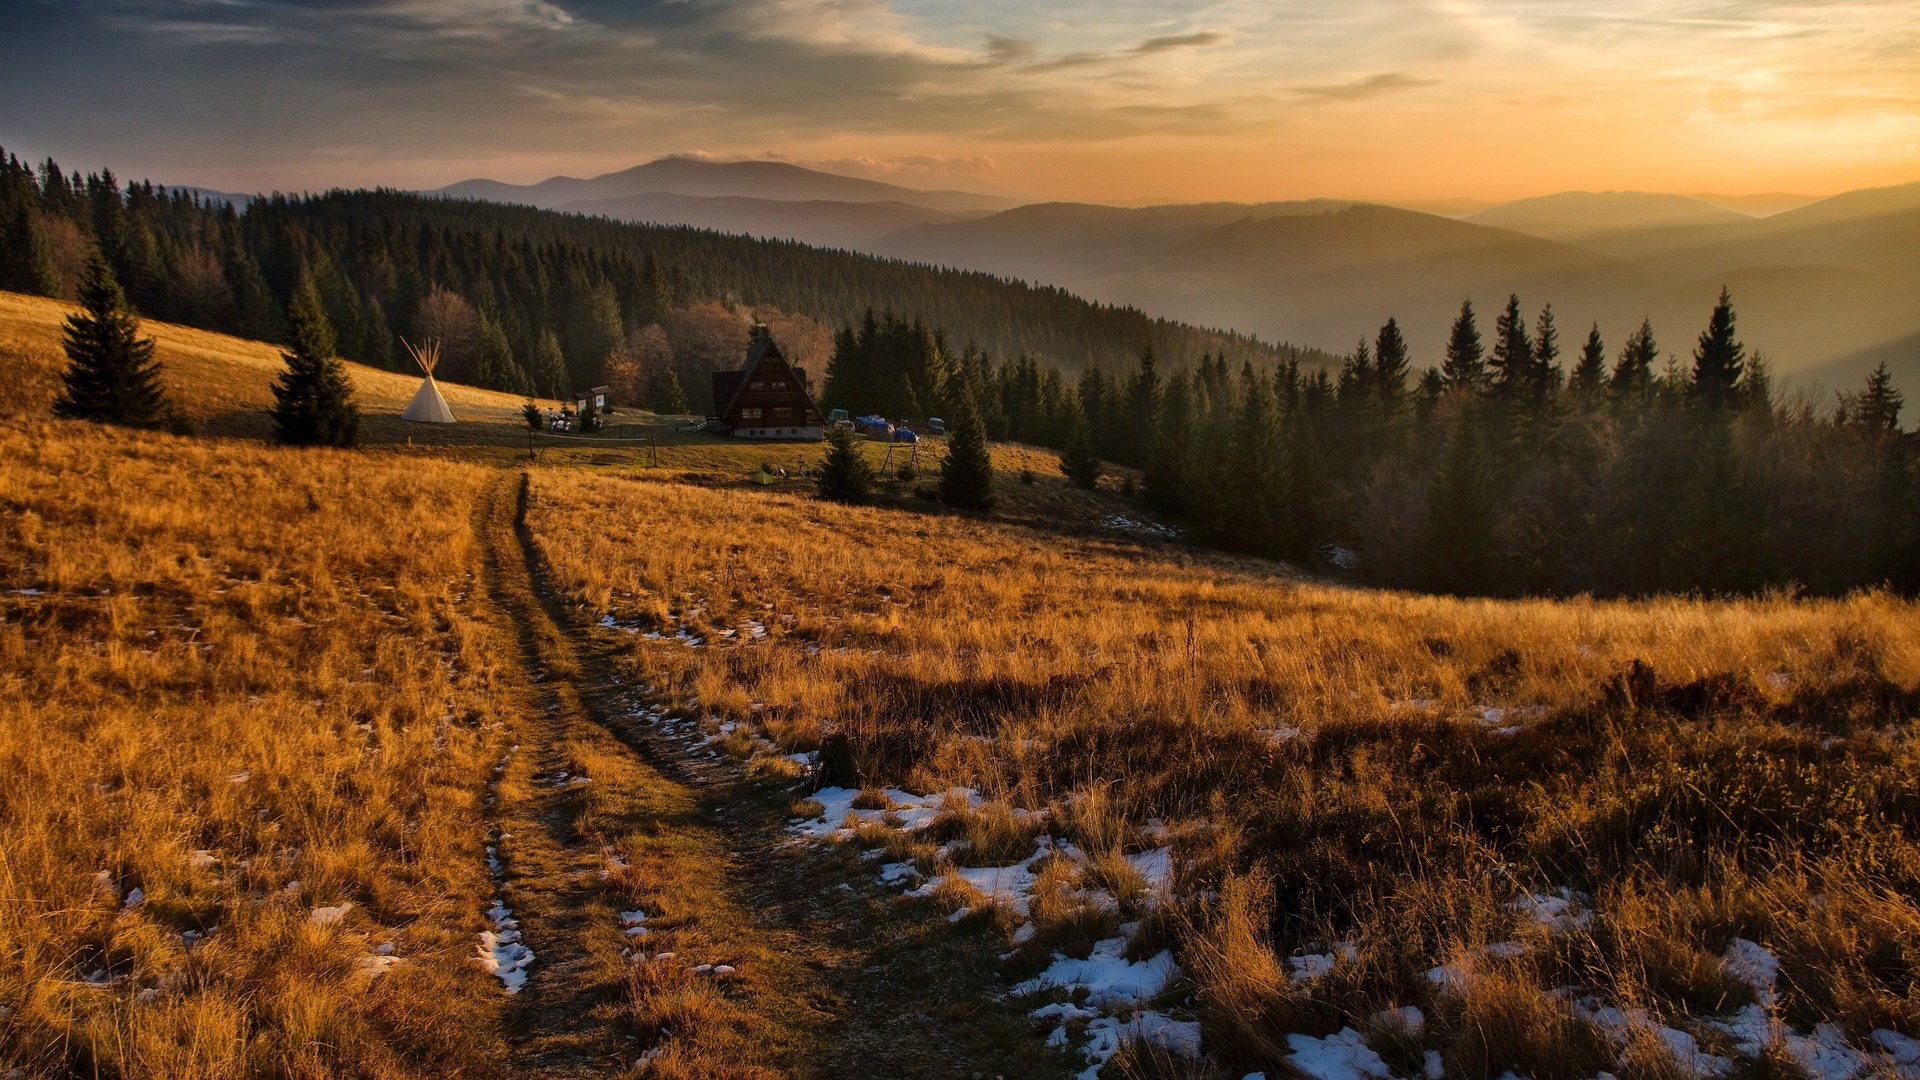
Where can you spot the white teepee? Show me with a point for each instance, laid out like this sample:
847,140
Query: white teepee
427,406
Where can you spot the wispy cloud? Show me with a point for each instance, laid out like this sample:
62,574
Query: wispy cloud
1370,87
415,89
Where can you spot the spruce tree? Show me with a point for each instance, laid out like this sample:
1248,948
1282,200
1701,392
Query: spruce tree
550,375
1546,352
313,400
1633,372
1590,374
1513,359
1143,411
665,395
966,477
111,375
1465,366
26,265
1460,512
1173,432
1080,461
1875,410
846,476
1390,365
1717,360
497,369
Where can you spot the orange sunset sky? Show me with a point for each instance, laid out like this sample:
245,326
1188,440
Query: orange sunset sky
1120,101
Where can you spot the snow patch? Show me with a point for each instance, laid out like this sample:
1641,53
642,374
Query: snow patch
501,951
1110,980
1343,1055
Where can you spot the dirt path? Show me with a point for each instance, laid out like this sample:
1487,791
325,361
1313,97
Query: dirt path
830,977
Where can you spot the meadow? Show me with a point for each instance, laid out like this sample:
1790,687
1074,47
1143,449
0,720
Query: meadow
1185,813
1552,828
246,718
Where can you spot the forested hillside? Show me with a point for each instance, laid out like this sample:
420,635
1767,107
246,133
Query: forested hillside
528,300
1504,471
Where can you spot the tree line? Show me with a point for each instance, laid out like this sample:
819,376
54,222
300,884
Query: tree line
524,300
1508,469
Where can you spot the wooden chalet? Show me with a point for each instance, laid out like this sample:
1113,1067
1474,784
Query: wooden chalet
766,399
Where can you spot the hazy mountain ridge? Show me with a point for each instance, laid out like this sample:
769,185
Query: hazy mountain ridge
1815,284
820,222
775,180
1572,214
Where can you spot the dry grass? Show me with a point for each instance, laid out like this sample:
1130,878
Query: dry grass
1702,770
224,384
249,684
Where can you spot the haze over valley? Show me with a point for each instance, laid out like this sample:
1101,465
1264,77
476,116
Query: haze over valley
1825,287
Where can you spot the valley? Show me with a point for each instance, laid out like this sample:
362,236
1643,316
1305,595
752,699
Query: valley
1826,282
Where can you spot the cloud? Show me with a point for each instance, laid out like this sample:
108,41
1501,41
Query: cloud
916,89
1370,87
1179,41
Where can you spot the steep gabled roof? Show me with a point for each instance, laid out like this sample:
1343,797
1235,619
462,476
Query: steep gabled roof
763,347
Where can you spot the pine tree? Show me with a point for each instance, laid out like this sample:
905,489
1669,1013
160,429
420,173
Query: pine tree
111,375
1590,374
846,475
1080,461
1173,430
1465,366
1633,372
665,395
550,375
1546,352
313,400
1875,410
1255,472
1390,365
1143,411
966,477
1717,360
1513,358
26,265
1460,512
497,369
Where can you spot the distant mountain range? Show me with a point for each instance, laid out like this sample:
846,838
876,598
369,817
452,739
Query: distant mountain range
1824,288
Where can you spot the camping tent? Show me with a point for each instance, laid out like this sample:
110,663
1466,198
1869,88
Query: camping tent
427,406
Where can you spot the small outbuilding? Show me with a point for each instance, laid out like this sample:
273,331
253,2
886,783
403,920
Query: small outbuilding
597,397
766,399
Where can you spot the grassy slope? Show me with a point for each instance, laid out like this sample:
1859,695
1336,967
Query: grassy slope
248,684
1323,756
224,384
1755,785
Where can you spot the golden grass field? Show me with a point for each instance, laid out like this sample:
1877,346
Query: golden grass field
246,684
254,682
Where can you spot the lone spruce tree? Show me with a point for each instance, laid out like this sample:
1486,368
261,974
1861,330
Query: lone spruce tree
112,376
313,401
966,477
847,476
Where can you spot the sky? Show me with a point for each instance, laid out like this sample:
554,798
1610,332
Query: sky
1113,101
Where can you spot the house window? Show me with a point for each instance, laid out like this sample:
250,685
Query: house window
751,412
782,412
757,386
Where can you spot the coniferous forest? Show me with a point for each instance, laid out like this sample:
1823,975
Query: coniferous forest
1512,468
1517,465
523,300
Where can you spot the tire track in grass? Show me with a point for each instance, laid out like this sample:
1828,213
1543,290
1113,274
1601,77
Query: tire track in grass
882,988
648,958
